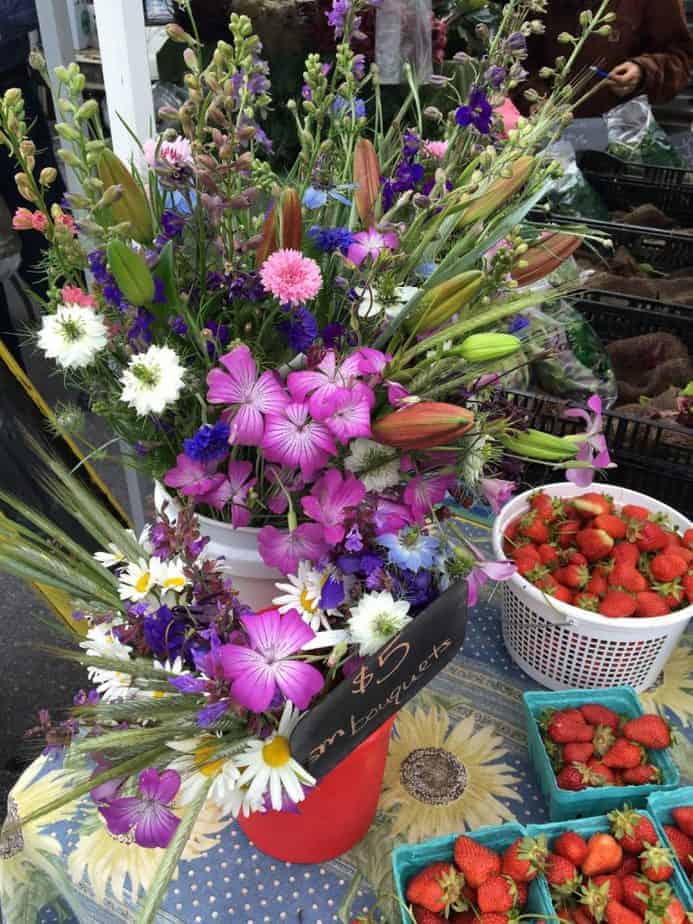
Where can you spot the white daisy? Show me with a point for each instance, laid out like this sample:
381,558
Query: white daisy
302,594
114,556
377,466
153,380
171,667
72,336
269,766
100,642
168,575
376,618
199,759
137,580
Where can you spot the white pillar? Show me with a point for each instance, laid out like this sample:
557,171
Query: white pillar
123,49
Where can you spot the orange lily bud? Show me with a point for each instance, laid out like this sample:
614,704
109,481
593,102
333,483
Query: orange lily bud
423,425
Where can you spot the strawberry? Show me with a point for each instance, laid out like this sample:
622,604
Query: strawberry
600,774
568,725
674,913
597,585
544,505
575,576
529,567
688,538
656,862
671,592
566,533
533,526
573,557
561,874
603,740
524,858
582,917
673,541
498,893
650,537
465,917
604,855
424,916
633,512
626,553
571,846
493,917
682,846
650,730
578,752
592,505
548,555
627,578
595,895
596,714
629,866
687,583
561,593
437,888
615,887
526,551
623,755
683,818
642,774
589,602
547,583
632,830
571,777
667,567
611,524
636,893
617,604
477,862
649,604
616,913
594,543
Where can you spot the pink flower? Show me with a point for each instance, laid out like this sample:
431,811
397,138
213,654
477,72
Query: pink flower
286,480
295,439
248,397
391,517
350,415
365,361
593,448
39,222
291,277
285,550
68,221
396,394
437,149
422,493
192,478
73,295
484,571
497,492
176,153
22,220
371,243
266,664
329,501
235,489
325,381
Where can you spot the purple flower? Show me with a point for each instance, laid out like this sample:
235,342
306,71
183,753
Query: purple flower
347,107
233,489
516,43
172,223
178,326
97,267
284,550
300,330
332,594
294,438
478,112
192,478
336,17
350,415
366,563
371,244
209,443
332,334
497,492
518,323
354,540
484,571
146,817
423,493
593,448
331,240
495,75
164,634
141,325
358,67
258,670
330,500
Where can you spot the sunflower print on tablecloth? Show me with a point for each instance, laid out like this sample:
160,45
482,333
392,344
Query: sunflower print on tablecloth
674,689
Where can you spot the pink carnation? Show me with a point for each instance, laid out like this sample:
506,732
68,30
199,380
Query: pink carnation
22,220
73,295
176,153
291,277
437,149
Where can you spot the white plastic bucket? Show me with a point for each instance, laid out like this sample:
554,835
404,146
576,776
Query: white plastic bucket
252,578
562,646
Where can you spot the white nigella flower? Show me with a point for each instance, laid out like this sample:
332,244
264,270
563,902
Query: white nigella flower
376,618
100,642
137,580
153,380
73,336
168,575
302,594
391,307
267,766
200,758
377,466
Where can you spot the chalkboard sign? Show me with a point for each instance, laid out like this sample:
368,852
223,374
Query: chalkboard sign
384,683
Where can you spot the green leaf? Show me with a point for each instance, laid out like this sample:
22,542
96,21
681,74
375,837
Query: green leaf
166,271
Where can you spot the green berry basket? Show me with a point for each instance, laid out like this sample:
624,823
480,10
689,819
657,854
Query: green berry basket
659,806
596,800
409,859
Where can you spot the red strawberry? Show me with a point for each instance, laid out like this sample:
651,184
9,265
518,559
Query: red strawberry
571,846
674,913
589,602
424,916
633,512
582,916
547,583
548,555
578,752
568,725
465,917
616,913
649,604
623,754
493,917
650,730
603,740
524,858
596,894
575,576
636,892
561,593
529,567
526,551
626,553
566,533
533,527
687,583
617,604
571,777
615,890
688,538
573,557
628,867
596,714
642,774
600,774
592,505
632,830
672,593
604,855
437,887
656,862
682,846
544,506
627,578
666,567
499,893
597,585
477,862
561,874
673,541
611,524
594,543
650,537
683,817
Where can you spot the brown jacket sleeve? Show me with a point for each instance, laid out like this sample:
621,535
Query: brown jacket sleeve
666,69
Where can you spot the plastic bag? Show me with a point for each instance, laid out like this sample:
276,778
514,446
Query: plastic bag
571,193
403,34
634,135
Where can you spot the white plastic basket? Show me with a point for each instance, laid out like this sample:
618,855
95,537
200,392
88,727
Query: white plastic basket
562,646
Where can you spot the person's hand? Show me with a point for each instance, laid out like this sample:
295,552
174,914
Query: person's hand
625,78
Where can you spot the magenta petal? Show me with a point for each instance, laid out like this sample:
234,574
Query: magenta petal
325,399
475,581
247,427
218,496
595,405
149,783
580,477
156,826
357,253
294,634
299,682
255,687
268,393
238,473
351,418
263,630
499,570
241,367
122,814
240,516
167,787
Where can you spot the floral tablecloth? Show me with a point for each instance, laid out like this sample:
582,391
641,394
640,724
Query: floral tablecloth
457,760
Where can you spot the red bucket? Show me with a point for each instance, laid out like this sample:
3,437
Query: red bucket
334,816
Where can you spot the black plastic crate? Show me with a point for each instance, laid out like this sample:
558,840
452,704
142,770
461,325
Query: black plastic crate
615,316
646,457
623,184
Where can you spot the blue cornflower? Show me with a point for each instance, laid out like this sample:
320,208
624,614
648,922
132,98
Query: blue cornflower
410,548
478,112
345,107
209,443
518,323
331,240
301,330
